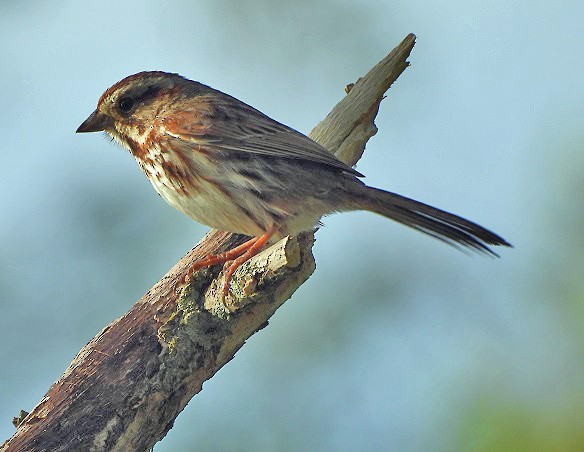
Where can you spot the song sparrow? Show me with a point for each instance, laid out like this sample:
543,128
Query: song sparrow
229,166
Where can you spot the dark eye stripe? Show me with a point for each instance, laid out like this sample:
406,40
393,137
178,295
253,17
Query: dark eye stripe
149,93
137,96
126,104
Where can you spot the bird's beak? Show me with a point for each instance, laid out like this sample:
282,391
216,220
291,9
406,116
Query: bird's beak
95,123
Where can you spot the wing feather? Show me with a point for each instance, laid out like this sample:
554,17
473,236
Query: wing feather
226,123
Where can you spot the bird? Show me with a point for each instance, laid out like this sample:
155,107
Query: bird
229,166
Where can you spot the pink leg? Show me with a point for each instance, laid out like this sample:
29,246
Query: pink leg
252,250
237,255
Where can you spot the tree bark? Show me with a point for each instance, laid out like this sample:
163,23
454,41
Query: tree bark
125,388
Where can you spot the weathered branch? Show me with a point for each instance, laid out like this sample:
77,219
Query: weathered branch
127,385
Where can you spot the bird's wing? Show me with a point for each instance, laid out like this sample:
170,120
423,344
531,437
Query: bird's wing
223,122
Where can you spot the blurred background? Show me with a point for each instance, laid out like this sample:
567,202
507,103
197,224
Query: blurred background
397,342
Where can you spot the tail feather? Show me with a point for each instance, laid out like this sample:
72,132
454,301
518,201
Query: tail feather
444,226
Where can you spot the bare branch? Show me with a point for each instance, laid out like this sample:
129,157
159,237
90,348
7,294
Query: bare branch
127,385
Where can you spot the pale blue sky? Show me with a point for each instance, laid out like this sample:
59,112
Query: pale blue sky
395,336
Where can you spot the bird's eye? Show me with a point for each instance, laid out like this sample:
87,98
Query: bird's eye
126,104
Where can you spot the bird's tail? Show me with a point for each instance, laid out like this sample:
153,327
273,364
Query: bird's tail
444,226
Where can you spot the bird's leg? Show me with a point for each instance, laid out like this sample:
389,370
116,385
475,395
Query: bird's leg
252,250
214,259
237,256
